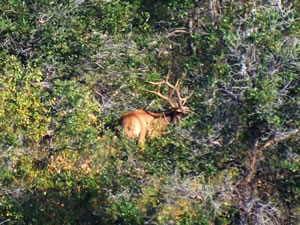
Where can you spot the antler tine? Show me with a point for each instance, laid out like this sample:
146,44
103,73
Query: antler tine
168,75
178,82
186,98
180,100
166,82
175,102
174,88
163,97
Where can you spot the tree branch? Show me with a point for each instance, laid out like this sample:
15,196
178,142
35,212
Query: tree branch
260,148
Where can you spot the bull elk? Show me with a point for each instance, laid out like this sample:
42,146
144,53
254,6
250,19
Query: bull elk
141,123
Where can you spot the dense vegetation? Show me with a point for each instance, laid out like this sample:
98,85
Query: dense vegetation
70,69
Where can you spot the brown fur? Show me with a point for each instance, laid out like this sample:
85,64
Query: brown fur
141,123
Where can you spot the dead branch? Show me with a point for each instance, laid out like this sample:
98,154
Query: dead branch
260,148
176,32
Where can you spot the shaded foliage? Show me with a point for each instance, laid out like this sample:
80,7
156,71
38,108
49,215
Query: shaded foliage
70,69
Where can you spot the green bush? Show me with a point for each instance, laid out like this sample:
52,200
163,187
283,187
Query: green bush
70,69
24,116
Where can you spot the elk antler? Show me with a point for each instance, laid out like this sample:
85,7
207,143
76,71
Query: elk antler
176,102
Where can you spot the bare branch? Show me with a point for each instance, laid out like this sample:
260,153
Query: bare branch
258,149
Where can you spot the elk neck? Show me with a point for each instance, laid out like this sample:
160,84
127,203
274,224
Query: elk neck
169,117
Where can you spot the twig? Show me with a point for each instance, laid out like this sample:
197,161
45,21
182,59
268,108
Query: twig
184,31
4,221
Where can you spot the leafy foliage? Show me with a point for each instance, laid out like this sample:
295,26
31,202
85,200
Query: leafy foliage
70,69
23,112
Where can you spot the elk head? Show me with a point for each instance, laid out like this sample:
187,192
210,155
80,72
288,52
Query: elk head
141,123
